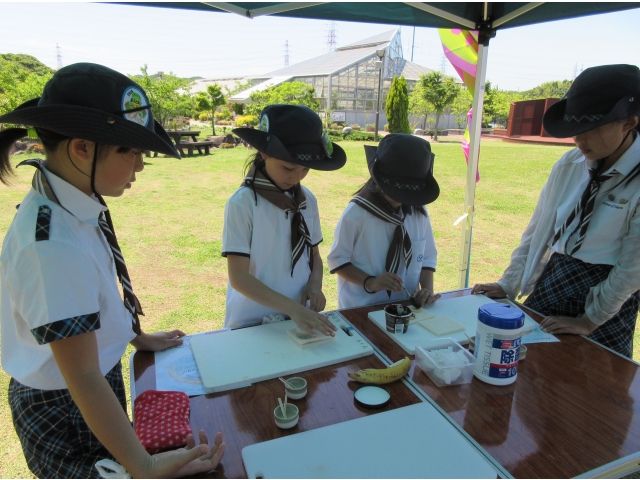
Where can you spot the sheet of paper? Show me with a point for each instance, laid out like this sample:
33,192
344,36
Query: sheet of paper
538,336
176,369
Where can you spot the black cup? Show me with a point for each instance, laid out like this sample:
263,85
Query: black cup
397,323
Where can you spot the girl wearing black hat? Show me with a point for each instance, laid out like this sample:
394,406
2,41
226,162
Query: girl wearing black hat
65,326
384,242
578,258
271,223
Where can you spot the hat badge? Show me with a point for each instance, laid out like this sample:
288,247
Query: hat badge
134,99
264,123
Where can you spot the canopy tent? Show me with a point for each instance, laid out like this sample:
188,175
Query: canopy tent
485,17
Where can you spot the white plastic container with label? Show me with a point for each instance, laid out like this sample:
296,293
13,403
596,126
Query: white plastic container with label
497,346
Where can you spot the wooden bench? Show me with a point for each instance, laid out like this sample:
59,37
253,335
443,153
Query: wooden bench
191,145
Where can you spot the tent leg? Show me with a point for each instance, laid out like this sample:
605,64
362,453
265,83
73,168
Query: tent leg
472,167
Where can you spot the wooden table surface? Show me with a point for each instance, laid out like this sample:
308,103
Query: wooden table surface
186,133
573,408
245,415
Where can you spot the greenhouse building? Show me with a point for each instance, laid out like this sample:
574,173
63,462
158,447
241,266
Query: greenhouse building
346,81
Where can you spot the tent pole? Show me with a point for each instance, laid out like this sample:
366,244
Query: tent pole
472,167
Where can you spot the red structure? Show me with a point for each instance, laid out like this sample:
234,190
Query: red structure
525,118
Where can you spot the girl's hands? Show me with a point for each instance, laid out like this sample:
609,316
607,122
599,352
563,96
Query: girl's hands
491,290
426,296
576,325
308,320
385,281
189,460
154,342
317,300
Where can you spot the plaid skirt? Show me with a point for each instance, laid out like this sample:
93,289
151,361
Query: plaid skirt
562,291
56,441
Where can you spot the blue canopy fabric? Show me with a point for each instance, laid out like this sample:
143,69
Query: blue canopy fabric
467,15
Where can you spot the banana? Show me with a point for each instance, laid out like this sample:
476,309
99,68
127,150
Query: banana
383,375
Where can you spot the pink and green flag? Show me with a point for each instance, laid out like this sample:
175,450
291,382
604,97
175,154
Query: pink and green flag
461,49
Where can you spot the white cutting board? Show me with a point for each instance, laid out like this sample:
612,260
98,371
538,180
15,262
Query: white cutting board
240,357
409,442
462,309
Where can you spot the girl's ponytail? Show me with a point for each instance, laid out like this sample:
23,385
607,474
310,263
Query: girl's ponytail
7,138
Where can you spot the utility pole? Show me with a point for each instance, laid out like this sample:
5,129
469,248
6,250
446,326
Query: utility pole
332,37
286,53
413,43
59,54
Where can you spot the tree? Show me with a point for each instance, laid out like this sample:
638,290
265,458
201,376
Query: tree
555,89
440,90
169,95
461,106
292,93
419,106
18,85
397,106
210,100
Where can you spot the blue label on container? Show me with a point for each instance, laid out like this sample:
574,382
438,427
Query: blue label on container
500,354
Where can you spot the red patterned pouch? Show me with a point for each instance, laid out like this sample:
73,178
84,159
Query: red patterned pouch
162,420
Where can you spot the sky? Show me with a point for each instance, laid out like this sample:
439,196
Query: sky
218,45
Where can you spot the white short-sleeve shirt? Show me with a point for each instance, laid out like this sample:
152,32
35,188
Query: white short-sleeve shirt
261,231
58,280
614,207
362,240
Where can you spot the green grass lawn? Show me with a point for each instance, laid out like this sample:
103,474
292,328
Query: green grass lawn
169,226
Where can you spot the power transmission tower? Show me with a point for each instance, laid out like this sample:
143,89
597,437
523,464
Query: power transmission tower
332,37
443,64
59,56
286,53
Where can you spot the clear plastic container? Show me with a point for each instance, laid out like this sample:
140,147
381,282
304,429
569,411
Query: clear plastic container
433,355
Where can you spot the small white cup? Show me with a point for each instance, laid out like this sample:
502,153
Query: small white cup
299,389
291,419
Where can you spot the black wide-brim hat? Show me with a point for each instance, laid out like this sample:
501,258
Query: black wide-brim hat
293,133
95,103
598,96
402,166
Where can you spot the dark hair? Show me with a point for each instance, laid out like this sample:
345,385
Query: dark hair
7,138
50,141
374,188
371,185
254,160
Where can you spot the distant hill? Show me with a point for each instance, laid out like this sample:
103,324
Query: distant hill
27,62
553,89
156,76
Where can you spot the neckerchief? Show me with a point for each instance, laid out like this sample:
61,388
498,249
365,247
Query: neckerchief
300,237
41,185
400,248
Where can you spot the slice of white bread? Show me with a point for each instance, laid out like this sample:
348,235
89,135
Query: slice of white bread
307,342
441,326
421,314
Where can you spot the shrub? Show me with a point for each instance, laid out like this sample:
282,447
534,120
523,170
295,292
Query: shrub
386,127
355,127
223,114
355,135
335,126
204,116
361,136
370,127
246,119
